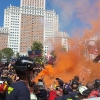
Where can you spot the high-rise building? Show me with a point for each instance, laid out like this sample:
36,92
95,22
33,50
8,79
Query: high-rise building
62,40
33,3
12,20
28,23
3,38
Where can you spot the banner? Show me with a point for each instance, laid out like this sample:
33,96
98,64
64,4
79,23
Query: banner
35,53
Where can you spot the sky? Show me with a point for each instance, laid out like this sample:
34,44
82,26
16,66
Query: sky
74,15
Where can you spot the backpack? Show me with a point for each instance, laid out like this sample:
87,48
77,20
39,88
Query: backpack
94,93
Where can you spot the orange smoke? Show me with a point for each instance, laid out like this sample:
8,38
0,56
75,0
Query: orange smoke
73,62
68,65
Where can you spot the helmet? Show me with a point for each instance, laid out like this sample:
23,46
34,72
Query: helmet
82,89
96,82
24,64
40,83
74,82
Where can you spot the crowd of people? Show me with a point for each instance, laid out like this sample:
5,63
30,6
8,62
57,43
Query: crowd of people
16,83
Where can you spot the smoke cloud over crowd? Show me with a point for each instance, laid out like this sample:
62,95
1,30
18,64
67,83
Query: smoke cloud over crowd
73,63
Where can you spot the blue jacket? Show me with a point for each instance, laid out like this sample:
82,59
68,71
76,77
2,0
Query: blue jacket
18,91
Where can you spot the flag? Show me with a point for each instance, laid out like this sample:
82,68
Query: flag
92,49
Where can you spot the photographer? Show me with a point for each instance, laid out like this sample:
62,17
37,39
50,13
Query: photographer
19,90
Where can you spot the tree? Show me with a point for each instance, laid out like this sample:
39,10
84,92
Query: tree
17,55
0,56
37,46
7,53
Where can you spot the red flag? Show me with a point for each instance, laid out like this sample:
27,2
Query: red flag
92,50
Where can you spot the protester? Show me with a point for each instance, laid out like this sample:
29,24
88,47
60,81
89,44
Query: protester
42,93
66,95
19,90
16,80
74,93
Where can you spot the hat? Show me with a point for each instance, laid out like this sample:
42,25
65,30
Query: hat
82,89
40,83
74,82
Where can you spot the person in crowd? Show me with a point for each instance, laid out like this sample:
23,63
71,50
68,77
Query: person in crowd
90,86
83,92
3,89
94,89
58,95
19,90
32,93
66,95
76,78
97,84
74,93
60,82
39,91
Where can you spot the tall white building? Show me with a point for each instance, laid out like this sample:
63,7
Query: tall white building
28,23
12,20
33,3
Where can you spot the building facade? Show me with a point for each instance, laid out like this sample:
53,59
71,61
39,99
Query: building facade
12,19
33,3
62,40
28,23
3,38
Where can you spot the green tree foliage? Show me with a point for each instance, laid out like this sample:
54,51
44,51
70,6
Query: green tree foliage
37,46
0,56
17,55
7,53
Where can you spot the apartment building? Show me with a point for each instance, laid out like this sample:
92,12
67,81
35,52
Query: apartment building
3,38
28,23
